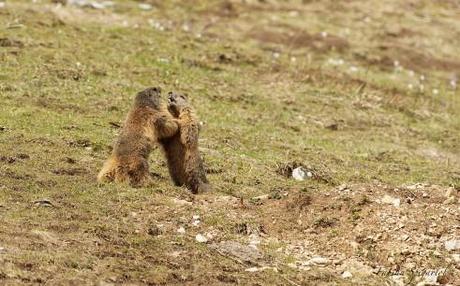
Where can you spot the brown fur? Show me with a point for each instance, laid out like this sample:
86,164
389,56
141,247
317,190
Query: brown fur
184,161
146,124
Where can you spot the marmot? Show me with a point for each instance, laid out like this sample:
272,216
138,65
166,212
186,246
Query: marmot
184,162
147,123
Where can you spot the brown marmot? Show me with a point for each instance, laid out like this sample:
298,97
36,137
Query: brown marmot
184,161
147,123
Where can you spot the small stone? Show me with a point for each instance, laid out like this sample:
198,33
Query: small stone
145,6
318,260
182,202
346,274
390,200
456,258
299,174
201,238
196,220
257,269
241,252
452,245
343,188
181,230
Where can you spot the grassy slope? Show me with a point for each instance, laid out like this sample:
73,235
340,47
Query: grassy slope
77,70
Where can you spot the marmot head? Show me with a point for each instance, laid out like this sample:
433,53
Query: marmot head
176,102
149,97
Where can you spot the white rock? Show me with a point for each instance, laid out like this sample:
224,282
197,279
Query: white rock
182,202
299,174
392,201
353,69
196,220
201,238
145,6
456,258
181,230
452,245
292,265
318,260
2,4
257,269
346,274
92,4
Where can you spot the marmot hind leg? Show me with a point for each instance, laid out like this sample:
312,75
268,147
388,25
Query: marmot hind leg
137,173
108,171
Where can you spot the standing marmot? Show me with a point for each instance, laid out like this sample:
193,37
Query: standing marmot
181,150
146,124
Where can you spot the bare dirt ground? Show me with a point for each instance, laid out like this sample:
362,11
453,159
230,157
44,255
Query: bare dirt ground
361,94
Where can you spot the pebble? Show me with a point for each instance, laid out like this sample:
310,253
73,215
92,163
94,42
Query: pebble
346,274
452,245
318,260
299,174
196,220
257,269
181,230
145,6
182,202
201,238
392,201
